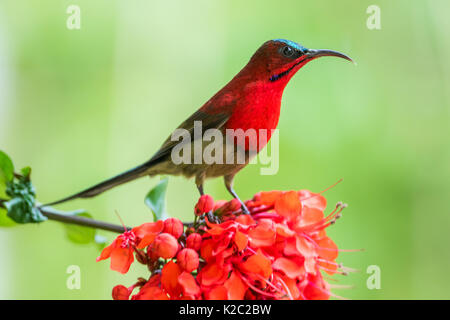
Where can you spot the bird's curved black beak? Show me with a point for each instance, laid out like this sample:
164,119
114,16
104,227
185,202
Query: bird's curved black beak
315,53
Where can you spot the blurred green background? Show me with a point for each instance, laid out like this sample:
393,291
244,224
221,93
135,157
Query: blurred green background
82,105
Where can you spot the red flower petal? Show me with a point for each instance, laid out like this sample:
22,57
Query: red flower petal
169,278
290,267
310,265
212,274
147,232
151,293
221,244
313,200
258,264
149,227
217,293
245,219
310,216
328,267
264,233
316,288
121,259
269,198
207,249
328,250
291,285
305,247
241,240
235,287
106,252
290,248
288,205
284,231
189,285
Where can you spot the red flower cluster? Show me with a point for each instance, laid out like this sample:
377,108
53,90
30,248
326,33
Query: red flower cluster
277,252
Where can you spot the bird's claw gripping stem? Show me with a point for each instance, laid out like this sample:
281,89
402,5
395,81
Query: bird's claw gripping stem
212,218
244,209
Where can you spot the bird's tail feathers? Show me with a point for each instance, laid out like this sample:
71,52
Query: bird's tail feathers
107,184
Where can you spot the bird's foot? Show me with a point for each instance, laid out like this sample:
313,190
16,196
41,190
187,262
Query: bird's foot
244,209
212,217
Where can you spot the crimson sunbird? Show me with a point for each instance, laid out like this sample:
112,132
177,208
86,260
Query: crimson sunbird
251,100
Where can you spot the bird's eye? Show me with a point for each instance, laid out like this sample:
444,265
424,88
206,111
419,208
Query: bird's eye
287,51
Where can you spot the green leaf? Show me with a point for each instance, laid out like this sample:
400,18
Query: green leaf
6,168
5,221
21,210
156,200
80,234
6,172
2,190
26,172
21,206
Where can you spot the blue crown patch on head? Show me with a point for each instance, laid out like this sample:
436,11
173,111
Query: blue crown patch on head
292,44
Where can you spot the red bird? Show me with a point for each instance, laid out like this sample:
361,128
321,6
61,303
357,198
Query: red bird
250,101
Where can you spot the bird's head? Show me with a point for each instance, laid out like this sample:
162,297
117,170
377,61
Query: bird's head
276,61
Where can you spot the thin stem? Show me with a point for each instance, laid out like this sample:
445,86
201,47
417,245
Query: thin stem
82,221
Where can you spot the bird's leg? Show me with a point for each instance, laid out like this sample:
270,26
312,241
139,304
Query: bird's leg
199,179
229,185
200,189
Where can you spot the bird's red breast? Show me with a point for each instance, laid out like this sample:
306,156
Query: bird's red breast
250,98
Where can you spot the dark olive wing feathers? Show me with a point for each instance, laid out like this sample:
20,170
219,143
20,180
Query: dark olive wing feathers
208,121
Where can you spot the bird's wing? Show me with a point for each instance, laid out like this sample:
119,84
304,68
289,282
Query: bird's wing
208,121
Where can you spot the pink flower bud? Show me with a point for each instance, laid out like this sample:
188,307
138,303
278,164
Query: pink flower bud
229,207
120,292
218,204
204,204
194,241
174,227
165,246
188,259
